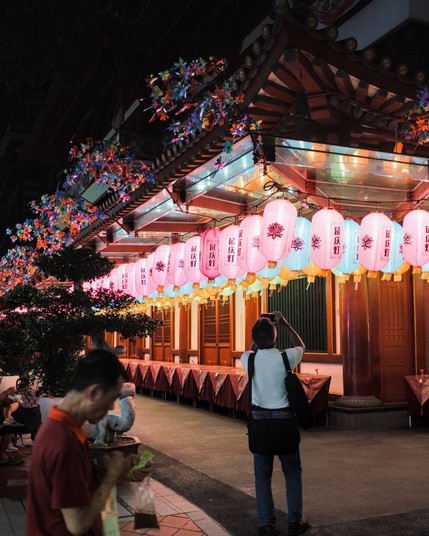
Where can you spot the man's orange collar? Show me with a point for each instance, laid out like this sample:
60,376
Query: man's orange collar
59,415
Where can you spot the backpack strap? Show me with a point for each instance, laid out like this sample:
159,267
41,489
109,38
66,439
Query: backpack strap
250,372
286,362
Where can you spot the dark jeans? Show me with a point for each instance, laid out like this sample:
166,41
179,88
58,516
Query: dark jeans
263,467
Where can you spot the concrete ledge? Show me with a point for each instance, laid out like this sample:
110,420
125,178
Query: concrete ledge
368,418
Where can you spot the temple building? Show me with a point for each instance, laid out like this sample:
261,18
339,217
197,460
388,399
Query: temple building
334,96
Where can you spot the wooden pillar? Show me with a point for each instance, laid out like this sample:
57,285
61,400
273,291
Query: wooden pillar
357,344
252,312
356,339
184,342
421,331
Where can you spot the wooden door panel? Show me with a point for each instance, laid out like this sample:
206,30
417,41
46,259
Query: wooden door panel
225,356
216,334
210,355
396,338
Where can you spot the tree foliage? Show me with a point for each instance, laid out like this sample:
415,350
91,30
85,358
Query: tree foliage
42,331
74,265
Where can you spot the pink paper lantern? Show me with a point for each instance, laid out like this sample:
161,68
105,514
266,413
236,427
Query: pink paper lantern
375,241
141,278
250,259
112,279
126,278
150,260
210,253
416,237
160,264
98,284
229,238
176,275
193,260
327,237
278,227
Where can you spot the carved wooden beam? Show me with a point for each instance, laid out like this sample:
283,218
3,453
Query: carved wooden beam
324,73
392,105
378,99
362,92
276,91
344,84
286,78
301,67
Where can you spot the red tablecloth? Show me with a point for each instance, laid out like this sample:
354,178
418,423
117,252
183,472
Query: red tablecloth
223,386
417,391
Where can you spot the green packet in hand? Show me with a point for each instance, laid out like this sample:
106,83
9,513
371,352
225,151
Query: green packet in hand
145,457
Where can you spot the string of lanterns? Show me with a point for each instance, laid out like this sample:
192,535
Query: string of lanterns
268,250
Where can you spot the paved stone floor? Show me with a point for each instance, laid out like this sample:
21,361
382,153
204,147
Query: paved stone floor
356,483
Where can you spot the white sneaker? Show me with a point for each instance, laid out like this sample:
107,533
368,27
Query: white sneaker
11,448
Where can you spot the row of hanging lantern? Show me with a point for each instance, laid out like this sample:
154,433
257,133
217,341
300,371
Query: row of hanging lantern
259,243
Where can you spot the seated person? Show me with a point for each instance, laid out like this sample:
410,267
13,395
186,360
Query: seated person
6,429
28,410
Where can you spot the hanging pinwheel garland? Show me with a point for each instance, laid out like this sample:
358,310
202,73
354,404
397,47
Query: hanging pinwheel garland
109,163
417,126
60,219
16,268
191,87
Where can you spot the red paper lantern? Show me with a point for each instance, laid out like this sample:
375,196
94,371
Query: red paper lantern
416,237
375,241
193,260
229,238
327,237
141,278
210,253
250,259
176,265
160,264
278,226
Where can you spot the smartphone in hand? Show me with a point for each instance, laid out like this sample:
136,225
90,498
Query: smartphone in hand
270,316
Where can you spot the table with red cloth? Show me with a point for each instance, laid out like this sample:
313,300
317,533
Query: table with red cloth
223,386
417,391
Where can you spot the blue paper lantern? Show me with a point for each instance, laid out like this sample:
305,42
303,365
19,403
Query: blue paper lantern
269,273
349,261
299,256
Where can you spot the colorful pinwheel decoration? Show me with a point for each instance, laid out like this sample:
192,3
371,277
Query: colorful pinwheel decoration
191,88
109,163
416,127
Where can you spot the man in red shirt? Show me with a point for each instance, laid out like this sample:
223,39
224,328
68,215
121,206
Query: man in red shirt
64,496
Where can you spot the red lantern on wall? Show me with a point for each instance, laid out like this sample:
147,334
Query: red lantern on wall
210,253
375,242
159,269
327,237
250,259
278,226
193,260
416,237
228,265
176,275
142,283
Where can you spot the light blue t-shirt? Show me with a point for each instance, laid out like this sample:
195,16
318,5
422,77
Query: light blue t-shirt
268,384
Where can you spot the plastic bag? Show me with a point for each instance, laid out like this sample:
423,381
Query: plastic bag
142,462
144,512
109,515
